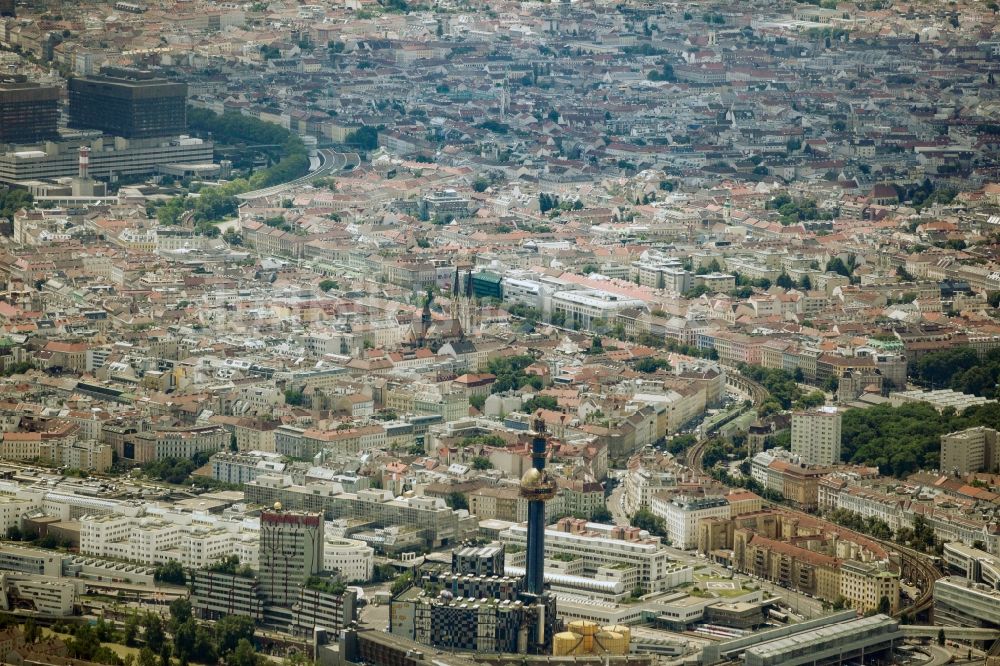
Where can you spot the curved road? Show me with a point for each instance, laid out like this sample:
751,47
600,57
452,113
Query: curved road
330,162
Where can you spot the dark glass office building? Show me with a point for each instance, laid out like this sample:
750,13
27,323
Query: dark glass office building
28,112
135,108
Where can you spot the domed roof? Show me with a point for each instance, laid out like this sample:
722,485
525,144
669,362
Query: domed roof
531,478
537,485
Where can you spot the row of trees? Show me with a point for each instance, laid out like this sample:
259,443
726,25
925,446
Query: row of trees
870,525
919,537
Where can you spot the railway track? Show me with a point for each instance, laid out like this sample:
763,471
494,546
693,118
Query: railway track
918,568
758,394
928,573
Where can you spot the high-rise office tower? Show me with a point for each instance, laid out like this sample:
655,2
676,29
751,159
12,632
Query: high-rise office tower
28,112
134,107
291,550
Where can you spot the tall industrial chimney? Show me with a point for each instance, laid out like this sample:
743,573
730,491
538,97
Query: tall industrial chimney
84,162
537,487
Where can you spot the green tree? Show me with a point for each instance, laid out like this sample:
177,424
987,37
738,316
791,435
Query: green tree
205,649
180,610
601,515
697,291
31,631
645,519
509,373
481,463
185,637
837,265
170,572
365,138
884,605
401,583
244,655
130,633
230,630
539,402
456,500
84,643
155,634
940,636
146,657
13,200
651,364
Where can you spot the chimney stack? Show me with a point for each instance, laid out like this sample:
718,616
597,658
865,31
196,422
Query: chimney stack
84,162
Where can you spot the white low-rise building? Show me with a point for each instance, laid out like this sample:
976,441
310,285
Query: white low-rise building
355,560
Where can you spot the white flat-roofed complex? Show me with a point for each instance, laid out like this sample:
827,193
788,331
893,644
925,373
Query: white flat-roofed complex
581,308
607,545
120,157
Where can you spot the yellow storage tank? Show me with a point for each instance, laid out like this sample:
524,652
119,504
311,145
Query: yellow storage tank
620,629
564,643
583,627
611,642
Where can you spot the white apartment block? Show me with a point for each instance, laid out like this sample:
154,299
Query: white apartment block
682,515
198,540
900,511
816,436
871,503
49,595
640,484
972,450
193,540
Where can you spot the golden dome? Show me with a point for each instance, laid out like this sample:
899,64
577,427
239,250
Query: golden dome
537,485
277,506
531,478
